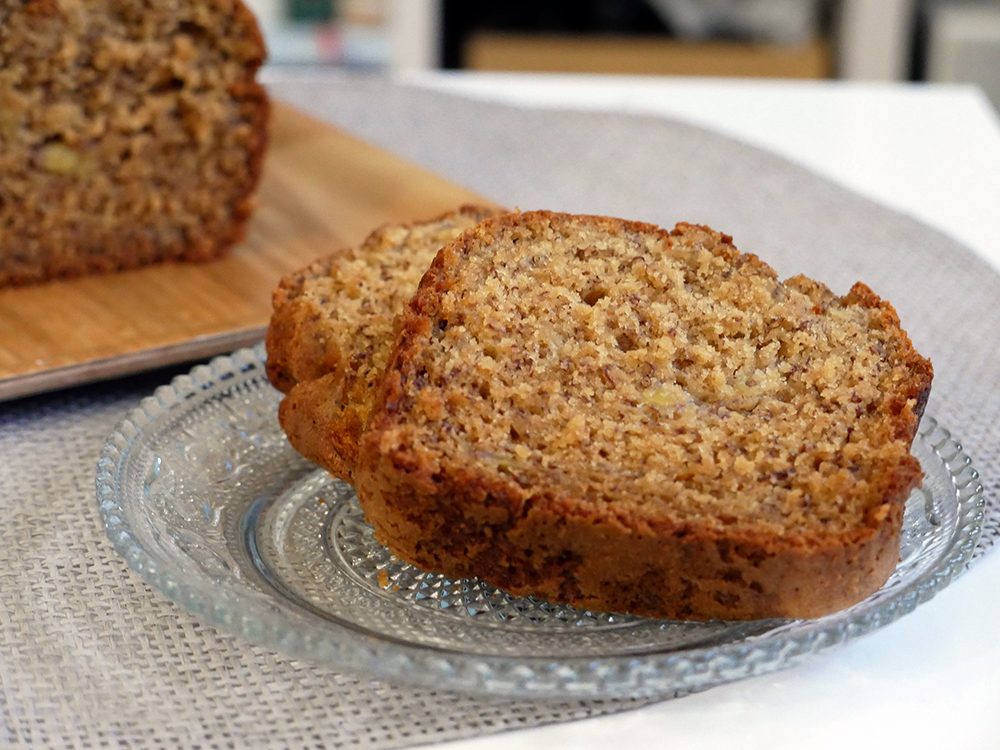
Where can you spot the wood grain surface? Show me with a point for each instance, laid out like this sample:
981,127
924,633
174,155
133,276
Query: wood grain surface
322,189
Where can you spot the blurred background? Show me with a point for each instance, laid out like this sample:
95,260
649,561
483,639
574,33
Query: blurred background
869,40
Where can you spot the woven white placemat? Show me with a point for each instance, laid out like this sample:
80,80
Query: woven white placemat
91,657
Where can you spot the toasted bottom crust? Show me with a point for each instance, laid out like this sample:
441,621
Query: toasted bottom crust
553,548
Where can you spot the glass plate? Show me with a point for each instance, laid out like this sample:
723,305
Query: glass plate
202,495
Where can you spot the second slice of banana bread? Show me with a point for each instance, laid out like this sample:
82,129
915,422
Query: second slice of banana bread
332,330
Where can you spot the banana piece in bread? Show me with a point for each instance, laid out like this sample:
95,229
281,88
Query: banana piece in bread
601,412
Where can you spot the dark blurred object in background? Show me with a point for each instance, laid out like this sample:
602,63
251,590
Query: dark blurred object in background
461,19
862,40
682,37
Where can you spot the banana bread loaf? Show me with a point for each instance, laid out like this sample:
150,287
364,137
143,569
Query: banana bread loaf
332,329
603,413
130,132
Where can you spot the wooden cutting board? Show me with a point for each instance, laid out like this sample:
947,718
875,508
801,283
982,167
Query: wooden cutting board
321,189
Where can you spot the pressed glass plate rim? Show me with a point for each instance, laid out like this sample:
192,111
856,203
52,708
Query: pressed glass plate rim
656,673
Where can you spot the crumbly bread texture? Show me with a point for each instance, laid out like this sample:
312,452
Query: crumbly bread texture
332,330
130,132
603,413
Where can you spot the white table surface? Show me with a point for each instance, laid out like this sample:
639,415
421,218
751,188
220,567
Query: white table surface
931,680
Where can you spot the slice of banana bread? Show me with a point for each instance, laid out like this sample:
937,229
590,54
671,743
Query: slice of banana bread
130,132
332,330
600,412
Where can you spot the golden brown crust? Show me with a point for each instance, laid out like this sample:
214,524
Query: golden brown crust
143,149
437,508
559,549
332,329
